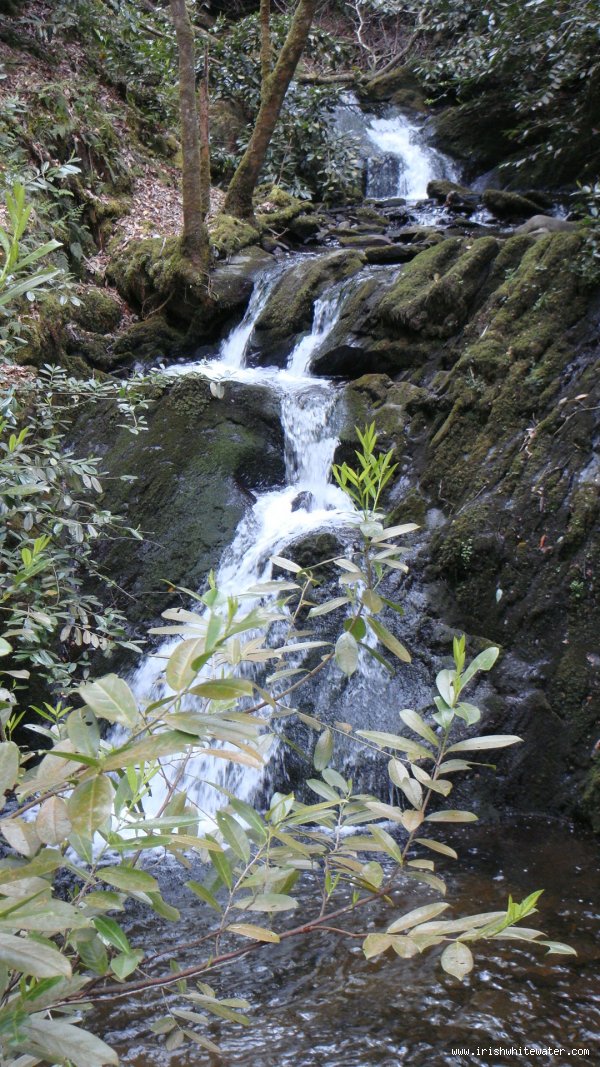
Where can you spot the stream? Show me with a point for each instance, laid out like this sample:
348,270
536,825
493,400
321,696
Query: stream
324,1005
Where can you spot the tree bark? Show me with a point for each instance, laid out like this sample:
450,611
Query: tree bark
266,47
204,119
195,235
238,201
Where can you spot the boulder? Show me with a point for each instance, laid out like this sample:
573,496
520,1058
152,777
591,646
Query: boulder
546,224
290,308
440,188
509,206
193,473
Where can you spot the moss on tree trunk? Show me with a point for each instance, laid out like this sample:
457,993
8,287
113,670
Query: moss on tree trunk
239,195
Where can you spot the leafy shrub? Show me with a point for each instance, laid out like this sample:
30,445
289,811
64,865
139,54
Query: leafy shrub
305,155
88,793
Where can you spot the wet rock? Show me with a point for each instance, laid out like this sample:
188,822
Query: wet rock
393,253
193,471
290,308
505,205
439,189
303,502
546,224
365,240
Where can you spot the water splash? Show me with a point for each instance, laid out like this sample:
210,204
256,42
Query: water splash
308,502
404,164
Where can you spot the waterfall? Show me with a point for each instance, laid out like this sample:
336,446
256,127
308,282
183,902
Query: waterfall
399,162
306,503
404,165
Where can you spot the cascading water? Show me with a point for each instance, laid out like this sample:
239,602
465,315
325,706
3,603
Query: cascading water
404,164
399,162
308,502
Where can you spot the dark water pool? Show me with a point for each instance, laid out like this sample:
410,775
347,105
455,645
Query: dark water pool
318,1003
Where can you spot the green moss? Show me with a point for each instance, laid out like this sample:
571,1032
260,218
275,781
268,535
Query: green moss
505,205
229,235
584,515
290,307
436,289
98,311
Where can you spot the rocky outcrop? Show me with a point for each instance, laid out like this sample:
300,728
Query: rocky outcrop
291,305
193,473
495,426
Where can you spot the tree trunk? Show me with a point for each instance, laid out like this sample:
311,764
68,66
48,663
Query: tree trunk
238,201
195,235
266,48
204,119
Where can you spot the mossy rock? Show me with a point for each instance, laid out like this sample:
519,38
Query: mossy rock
436,291
229,235
276,209
386,86
98,311
291,304
506,205
148,341
440,188
194,470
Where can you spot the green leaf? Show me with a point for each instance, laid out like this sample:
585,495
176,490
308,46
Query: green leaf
257,933
558,947
418,916
9,766
21,836
222,868
204,894
180,673
234,835
452,816
395,531
457,959
153,747
223,689
474,744
375,944
53,824
58,1041
112,932
436,846
125,964
286,564
388,639
269,902
483,662
31,957
130,879
413,750
90,805
346,653
111,698
323,750
372,601
5,647
414,721
329,605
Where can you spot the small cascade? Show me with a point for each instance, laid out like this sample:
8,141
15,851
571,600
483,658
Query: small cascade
398,160
233,348
307,503
404,164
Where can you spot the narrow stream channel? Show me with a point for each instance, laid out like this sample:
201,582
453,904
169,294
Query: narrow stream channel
318,1003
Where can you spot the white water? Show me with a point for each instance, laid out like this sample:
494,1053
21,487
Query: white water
404,164
307,503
